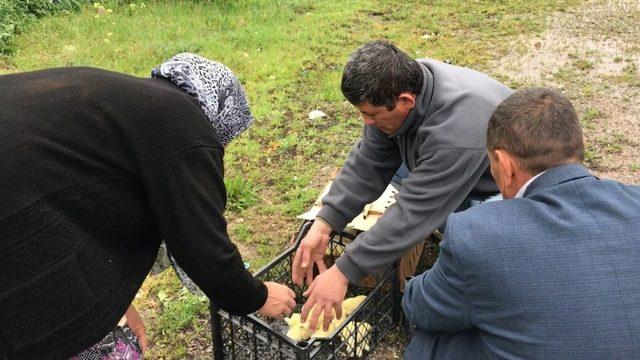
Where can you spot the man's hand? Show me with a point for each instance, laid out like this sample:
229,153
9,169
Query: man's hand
134,321
280,301
310,252
326,292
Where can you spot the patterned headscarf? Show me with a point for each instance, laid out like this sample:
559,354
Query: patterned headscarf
217,89
223,101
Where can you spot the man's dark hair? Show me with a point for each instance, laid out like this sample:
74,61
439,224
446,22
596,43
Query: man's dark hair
539,127
378,72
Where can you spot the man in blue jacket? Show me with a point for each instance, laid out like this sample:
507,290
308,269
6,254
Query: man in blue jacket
553,271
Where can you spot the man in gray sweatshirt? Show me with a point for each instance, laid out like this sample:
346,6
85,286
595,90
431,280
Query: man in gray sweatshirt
424,114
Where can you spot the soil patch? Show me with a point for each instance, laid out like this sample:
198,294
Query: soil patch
591,53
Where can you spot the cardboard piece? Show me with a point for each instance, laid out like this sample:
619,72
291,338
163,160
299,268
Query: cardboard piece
365,220
369,215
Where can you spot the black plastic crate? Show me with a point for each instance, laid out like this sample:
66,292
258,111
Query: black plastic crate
253,337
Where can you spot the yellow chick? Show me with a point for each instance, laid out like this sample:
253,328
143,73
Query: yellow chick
350,304
297,330
320,333
301,331
347,334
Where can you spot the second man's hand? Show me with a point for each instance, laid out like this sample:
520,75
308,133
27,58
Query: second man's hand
310,253
325,293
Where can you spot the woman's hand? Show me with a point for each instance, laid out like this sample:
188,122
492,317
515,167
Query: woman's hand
280,301
134,321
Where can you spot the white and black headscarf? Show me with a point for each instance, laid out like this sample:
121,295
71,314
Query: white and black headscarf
223,101
217,89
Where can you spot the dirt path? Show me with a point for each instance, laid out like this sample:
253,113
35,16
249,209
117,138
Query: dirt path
592,54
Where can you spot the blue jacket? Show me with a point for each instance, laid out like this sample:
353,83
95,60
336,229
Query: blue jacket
552,275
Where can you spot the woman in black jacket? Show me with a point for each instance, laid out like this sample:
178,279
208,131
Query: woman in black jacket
97,168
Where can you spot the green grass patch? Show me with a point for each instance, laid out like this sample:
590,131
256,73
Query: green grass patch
583,65
630,74
243,233
179,312
16,14
589,117
591,157
241,193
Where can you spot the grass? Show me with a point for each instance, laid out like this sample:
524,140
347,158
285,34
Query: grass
610,145
606,144
241,193
630,74
289,56
16,14
590,115
592,157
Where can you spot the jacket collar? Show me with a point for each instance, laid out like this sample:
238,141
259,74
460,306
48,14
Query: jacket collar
419,112
558,175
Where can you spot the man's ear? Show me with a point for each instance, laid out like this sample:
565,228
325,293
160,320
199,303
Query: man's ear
407,99
506,164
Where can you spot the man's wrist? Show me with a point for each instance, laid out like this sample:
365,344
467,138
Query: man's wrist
324,226
341,277
335,220
349,269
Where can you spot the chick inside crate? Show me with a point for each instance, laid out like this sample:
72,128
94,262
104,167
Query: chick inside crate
355,336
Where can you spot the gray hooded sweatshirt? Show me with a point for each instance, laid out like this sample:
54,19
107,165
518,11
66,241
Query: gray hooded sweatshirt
442,142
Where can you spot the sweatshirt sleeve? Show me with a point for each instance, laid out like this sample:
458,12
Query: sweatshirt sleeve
433,190
188,198
365,175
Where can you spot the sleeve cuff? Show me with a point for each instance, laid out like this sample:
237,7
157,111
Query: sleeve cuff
246,301
259,300
324,222
405,299
332,218
350,269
